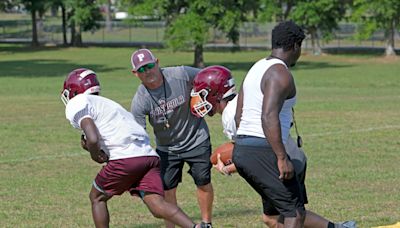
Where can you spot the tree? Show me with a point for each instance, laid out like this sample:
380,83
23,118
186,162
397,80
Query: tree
6,5
318,17
275,10
375,15
188,22
82,16
34,7
61,4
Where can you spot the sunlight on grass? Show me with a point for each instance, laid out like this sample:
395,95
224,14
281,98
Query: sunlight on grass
348,112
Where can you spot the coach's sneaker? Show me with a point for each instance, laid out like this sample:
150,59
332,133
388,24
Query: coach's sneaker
346,224
205,225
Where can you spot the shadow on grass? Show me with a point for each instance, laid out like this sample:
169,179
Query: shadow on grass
244,66
311,65
301,65
236,211
26,48
43,68
218,214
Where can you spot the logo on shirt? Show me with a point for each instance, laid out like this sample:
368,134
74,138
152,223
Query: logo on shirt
168,107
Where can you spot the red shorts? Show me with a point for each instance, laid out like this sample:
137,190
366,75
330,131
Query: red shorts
130,174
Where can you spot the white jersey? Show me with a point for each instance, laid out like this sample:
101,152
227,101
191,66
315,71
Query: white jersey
121,136
250,123
228,119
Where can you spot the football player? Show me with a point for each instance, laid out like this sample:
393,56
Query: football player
214,92
112,136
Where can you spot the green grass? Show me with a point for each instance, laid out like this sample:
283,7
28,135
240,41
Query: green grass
348,111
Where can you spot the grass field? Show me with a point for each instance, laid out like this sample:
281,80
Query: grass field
348,113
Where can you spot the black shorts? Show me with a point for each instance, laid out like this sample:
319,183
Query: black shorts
198,160
258,166
268,207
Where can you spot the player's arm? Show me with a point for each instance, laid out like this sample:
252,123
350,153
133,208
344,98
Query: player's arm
92,140
276,87
239,106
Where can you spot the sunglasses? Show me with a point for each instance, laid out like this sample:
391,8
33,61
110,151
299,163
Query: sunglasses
148,66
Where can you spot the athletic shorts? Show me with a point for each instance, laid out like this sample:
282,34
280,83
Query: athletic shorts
198,160
257,164
136,175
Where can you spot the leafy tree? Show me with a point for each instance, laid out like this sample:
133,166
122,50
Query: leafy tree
82,16
189,22
318,17
6,5
375,15
275,10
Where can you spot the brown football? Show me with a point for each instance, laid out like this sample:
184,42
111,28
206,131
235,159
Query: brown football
226,153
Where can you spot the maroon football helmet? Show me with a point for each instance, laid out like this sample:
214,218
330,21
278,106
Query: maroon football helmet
79,81
210,86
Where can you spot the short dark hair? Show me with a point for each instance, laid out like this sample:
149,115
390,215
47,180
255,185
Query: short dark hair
286,34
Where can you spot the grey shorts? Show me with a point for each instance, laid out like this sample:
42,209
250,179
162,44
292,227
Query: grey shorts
198,160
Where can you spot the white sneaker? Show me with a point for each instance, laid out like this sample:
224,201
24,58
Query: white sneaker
346,224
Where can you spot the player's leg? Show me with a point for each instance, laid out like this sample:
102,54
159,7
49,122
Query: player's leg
105,185
270,214
205,197
171,175
100,213
259,169
162,209
200,169
170,197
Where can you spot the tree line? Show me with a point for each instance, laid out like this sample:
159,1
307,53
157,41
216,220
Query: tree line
188,21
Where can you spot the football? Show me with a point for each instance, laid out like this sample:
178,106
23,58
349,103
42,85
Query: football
225,150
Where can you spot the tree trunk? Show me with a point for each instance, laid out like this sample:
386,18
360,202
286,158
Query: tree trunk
315,42
73,32
108,17
64,24
390,41
78,37
198,56
35,41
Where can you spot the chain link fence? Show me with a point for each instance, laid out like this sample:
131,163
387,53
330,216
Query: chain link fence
151,33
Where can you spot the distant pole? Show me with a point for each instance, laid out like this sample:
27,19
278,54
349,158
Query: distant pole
130,32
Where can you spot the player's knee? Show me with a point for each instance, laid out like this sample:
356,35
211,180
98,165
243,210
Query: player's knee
96,196
157,213
163,210
301,214
270,221
202,180
206,188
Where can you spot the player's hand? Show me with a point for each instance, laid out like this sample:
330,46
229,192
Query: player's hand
83,142
286,170
220,165
99,157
